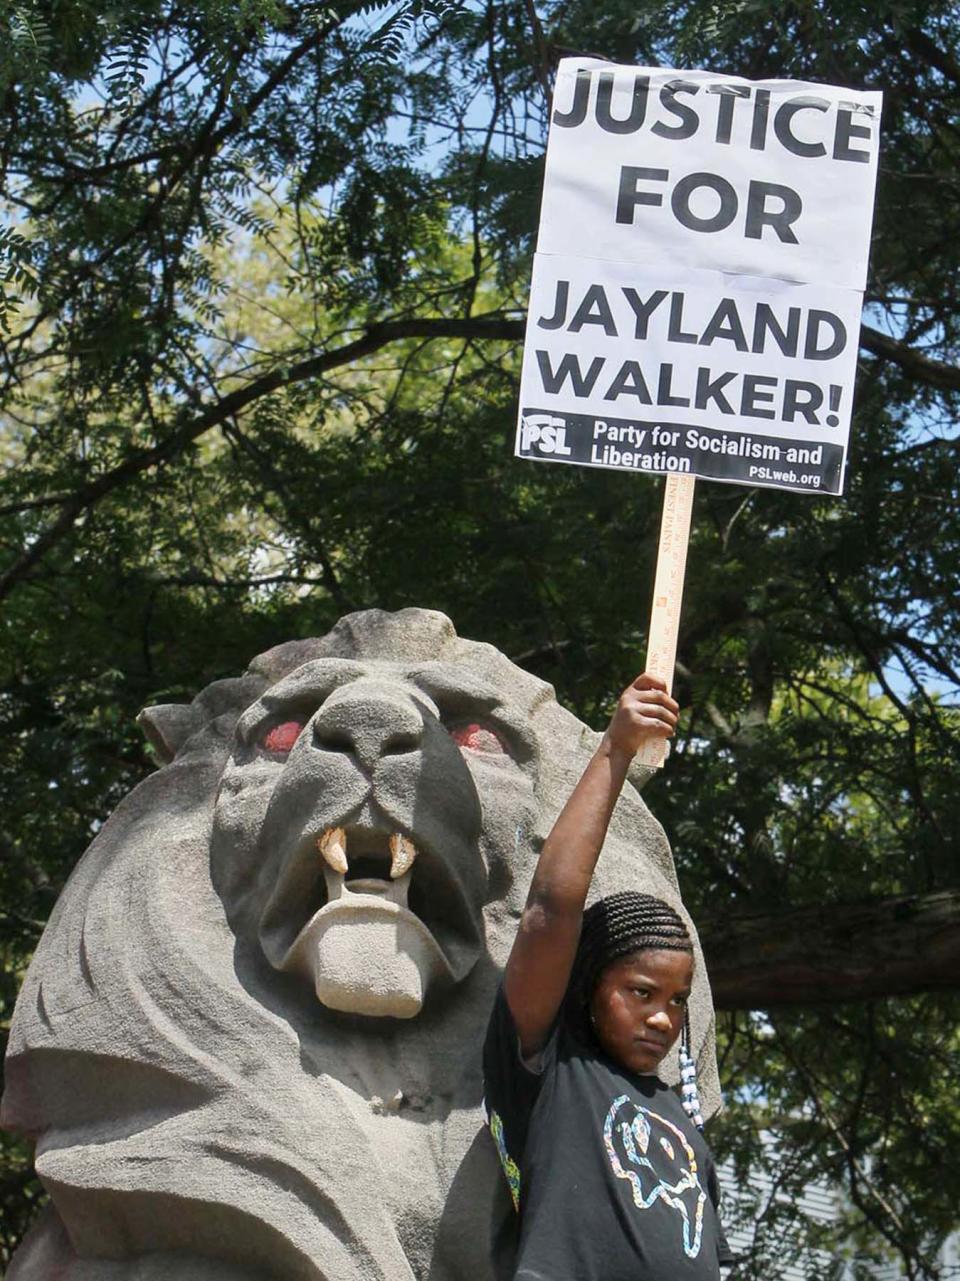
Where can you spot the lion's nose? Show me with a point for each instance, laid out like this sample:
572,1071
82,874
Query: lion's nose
368,724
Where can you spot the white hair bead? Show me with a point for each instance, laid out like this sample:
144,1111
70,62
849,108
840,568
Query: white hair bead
688,1077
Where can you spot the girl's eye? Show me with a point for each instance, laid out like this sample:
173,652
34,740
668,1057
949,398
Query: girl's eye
680,1000
642,992
478,738
279,740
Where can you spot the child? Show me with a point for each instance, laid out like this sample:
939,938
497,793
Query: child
611,1179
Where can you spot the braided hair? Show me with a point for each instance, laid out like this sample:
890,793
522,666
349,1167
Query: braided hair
620,924
616,926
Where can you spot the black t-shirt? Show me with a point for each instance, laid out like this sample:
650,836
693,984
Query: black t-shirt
612,1180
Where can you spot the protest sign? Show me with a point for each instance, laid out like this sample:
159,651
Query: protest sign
697,287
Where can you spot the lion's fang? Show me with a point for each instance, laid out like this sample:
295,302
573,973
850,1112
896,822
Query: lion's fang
333,846
402,854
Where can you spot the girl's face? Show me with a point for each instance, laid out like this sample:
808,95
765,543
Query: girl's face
638,1007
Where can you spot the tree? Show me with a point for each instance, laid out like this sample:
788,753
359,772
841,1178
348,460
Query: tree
266,268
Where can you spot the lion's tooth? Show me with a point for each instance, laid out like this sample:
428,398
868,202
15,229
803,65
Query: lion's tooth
402,854
334,882
398,890
333,846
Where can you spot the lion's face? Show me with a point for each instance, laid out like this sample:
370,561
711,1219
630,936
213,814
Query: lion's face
349,833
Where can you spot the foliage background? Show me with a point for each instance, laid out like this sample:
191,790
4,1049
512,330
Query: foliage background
265,268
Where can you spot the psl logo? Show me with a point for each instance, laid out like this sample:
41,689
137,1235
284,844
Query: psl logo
544,434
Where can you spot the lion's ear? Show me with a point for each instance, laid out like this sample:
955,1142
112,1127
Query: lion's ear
168,726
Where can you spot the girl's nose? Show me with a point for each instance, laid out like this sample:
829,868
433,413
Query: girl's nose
660,1020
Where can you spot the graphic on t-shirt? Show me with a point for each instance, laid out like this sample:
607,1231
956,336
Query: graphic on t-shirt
657,1159
510,1167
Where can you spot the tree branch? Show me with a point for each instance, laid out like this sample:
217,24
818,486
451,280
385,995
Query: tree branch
494,325
835,952
942,59
935,373
204,147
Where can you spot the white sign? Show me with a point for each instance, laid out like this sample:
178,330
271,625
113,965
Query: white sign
697,288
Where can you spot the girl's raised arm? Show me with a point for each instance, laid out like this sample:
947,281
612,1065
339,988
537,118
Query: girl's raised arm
538,971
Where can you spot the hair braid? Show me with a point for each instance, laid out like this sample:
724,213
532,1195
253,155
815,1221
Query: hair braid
622,923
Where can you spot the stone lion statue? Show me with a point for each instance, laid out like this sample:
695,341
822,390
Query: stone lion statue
248,1046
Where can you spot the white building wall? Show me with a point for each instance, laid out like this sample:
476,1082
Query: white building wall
821,1202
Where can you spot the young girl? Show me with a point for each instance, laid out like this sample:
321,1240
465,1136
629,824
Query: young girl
611,1177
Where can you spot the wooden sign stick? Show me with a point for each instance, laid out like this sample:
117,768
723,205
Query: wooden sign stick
668,595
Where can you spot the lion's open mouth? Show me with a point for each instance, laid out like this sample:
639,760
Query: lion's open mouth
368,873
360,876
366,847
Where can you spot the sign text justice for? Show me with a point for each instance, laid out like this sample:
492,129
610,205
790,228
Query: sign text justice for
802,125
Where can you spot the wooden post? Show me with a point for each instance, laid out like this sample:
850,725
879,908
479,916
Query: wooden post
668,595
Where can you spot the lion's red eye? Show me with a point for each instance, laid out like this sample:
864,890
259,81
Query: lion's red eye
282,737
477,738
